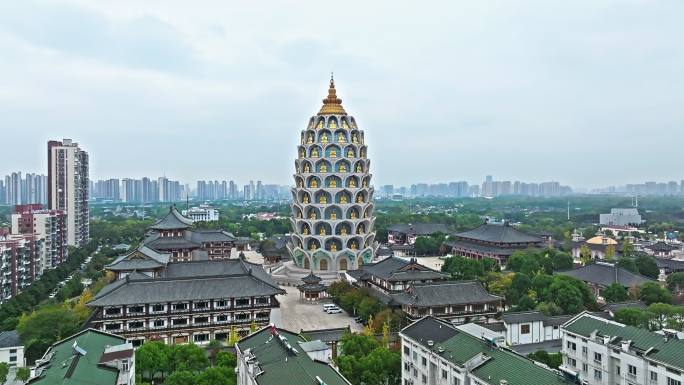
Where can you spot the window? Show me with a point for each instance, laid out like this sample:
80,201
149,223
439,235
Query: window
617,370
200,337
13,351
457,381
159,323
222,318
572,345
242,302
201,320
179,321
201,305
423,361
407,350
672,381
157,308
124,365
112,326
597,357
654,377
221,303
597,374
424,379
572,362
13,358
525,329
415,356
136,309
585,350
585,367
407,367
113,311
180,306
444,374
136,324
632,370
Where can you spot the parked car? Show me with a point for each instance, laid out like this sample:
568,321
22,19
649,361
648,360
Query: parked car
334,310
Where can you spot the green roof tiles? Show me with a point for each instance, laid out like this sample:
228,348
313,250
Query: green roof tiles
670,352
67,368
516,370
279,367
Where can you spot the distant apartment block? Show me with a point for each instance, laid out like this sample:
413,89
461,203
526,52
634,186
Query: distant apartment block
20,262
68,167
46,225
621,217
202,214
15,189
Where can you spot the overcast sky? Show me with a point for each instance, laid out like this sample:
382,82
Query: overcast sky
589,93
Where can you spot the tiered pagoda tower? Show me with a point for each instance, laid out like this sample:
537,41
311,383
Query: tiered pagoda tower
332,209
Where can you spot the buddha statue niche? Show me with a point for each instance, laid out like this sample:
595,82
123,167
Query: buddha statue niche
332,123
365,183
355,139
353,215
333,215
340,138
344,124
322,199
362,230
306,199
333,153
363,153
324,168
301,153
309,139
333,247
324,139
365,215
333,183
359,199
343,199
314,183
312,246
353,245
352,183
306,168
306,231
314,153
299,183
358,168
350,153
322,232
313,215
343,231
320,124
343,168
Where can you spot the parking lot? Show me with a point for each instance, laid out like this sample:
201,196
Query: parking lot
296,314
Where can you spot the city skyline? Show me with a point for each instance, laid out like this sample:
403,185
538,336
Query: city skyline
548,92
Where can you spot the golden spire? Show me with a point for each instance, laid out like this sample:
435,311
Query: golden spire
332,105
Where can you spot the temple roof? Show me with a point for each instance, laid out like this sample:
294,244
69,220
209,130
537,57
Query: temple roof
494,233
142,258
172,221
312,278
605,274
332,105
661,246
444,293
398,269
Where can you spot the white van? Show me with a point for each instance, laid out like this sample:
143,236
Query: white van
328,306
333,310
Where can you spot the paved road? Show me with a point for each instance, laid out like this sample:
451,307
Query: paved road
296,314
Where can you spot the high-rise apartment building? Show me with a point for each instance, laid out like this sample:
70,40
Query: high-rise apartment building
68,188
20,262
46,225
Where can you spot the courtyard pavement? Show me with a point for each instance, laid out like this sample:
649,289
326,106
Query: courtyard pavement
296,314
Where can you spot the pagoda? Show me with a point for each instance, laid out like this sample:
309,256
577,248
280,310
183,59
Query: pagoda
332,207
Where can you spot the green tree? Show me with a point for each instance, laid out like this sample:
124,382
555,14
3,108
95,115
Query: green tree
153,357
610,253
615,293
562,261
551,360
363,361
628,264
627,249
188,357
226,360
23,374
631,316
216,376
585,255
675,282
520,285
181,377
652,292
647,266
45,326
567,296
660,314
4,370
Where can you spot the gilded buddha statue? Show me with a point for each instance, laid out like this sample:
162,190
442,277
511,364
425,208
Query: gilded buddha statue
352,183
343,231
324,168
353,214
332,123
314,153
344,124
314,183
359,199
343,199
350,153
333,247
322,199
333,153
333,215
313,215
306,168
320,124
340,138
324,138
309,139
305,199
358,168
322,232
353,245
333,183
355,139
343,168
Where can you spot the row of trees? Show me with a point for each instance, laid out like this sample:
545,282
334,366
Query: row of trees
21,374
363,360
358,302
655,317
27,300
185,364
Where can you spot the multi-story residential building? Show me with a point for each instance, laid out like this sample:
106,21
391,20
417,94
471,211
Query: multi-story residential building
599,351
106,189
173,234
68,188
273,356
88,357
202,214
621,217
11,348
20,262
435,352
48,225
186,302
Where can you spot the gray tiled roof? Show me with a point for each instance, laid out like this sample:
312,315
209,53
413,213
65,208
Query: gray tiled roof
326,335
444,293
606,274
671,264
156,242
173,220
10,339
533,316
488,249
661,246
142,258
504,233
614,306
419,228
201,236
398,269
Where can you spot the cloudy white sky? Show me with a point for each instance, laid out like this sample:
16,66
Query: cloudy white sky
585,92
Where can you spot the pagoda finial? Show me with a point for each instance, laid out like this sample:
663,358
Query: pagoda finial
332,105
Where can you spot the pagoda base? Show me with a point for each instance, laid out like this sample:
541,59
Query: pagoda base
290,274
